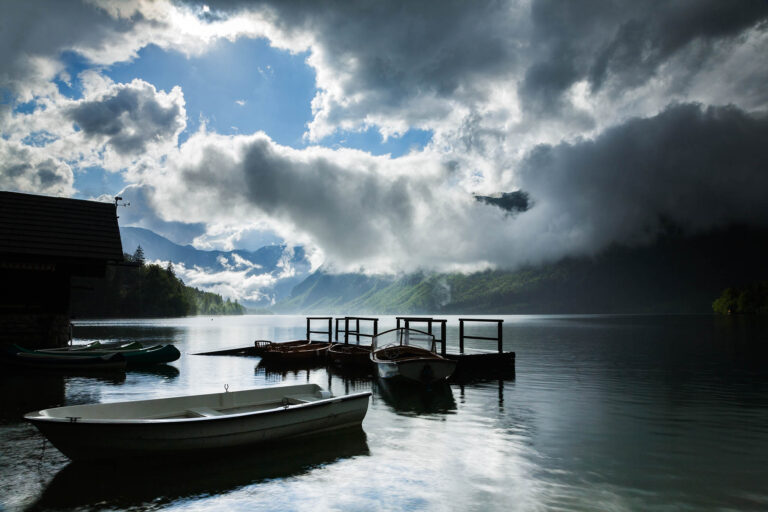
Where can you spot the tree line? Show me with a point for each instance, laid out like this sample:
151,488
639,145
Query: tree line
146,290
749,300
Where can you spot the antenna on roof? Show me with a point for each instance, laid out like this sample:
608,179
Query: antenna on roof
117,203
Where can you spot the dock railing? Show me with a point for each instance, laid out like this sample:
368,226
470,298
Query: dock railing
498,338
310,332
356,332
408,320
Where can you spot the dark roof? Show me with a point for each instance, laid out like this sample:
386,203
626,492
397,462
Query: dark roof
54,228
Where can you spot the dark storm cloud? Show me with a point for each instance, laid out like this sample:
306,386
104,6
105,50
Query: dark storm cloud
46,28
695,167
129,118
512,202
404,48
624,42
392,58
398,52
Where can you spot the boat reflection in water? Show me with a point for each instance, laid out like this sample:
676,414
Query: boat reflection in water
165,371
162,482
413,398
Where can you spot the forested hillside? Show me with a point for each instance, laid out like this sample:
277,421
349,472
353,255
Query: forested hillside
677,274
144,290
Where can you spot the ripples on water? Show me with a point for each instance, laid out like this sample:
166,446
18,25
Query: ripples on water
608,413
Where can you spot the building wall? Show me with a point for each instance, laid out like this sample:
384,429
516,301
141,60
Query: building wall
34,306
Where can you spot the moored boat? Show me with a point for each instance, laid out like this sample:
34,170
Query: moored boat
18,356
346,355
134,353
397,356
187,425
261,346
286,354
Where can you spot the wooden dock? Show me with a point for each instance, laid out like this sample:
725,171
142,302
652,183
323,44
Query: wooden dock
475,365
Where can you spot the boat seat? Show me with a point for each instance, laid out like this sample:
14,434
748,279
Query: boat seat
204,412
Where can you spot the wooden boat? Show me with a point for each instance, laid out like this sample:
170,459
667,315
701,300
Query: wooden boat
397,357
346,355
280,353
134,353
190,425
18,356
261,346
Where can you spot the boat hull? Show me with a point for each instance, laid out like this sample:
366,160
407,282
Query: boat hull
134,357
296,354
15,356
89,439
421,370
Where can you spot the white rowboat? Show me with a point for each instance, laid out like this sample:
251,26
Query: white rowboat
188,424
396,357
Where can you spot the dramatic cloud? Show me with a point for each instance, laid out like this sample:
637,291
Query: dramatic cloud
28,169
609,120
128,117
513,202
35,34
430,64
692,167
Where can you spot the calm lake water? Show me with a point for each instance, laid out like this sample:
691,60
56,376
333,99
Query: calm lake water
604,413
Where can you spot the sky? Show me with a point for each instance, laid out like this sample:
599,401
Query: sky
364,131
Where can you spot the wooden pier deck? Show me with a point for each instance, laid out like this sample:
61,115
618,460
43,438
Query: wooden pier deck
470,365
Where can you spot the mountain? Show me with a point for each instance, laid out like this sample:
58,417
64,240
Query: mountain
676,274
278,265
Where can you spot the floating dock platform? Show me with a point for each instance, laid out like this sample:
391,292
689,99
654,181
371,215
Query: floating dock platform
473,365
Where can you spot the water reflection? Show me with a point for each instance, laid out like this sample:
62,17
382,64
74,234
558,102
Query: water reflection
608,413
280,373
166,371
146,334
414,398
124,486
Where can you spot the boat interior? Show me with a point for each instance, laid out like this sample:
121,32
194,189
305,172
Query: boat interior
349,349
404,353
199,406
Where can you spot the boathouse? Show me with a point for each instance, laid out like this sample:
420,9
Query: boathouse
44,242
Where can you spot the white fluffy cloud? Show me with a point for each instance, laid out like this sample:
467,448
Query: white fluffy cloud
30,169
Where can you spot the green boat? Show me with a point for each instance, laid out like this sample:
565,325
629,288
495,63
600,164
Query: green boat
13,355
134,353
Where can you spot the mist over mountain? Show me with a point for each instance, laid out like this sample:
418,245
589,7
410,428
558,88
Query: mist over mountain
254,278
676,274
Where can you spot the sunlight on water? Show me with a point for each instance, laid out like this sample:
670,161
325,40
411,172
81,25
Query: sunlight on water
609,413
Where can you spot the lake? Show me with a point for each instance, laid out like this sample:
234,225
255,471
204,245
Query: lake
603,413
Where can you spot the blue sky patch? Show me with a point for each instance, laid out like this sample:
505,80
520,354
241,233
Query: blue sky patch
39,139
26,107
371,140
71,85
92,182
237,88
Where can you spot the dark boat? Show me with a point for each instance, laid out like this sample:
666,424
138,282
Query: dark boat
261,346
135,354
17,356
283,354
345,355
